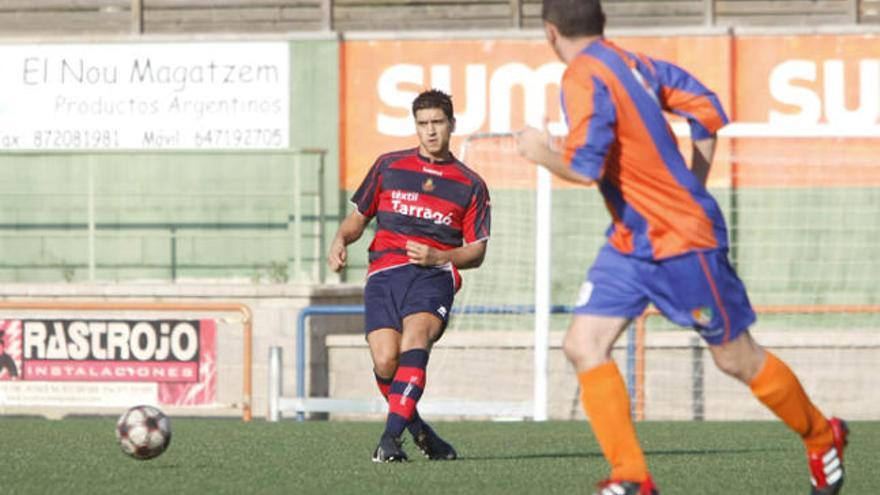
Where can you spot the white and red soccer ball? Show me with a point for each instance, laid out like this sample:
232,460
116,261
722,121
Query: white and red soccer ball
143,432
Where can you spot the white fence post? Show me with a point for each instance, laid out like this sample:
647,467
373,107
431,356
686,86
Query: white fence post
275,383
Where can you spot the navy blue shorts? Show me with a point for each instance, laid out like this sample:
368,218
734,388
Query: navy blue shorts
698,289
395,293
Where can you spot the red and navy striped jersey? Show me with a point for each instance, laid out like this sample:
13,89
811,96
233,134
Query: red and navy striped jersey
442,204
614,102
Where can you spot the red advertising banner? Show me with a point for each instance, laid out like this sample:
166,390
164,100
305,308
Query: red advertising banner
67,371
177,358
10,349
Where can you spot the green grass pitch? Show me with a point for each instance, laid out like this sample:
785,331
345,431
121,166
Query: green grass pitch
80,455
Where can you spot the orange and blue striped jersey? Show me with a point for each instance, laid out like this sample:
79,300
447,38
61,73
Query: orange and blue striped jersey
614,102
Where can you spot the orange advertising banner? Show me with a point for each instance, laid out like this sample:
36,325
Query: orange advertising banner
497,86
833,79
791,81
503,85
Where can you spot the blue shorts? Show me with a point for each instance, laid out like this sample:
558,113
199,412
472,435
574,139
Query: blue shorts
698,289
395,293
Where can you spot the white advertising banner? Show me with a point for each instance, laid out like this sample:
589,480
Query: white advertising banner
223,95
74,394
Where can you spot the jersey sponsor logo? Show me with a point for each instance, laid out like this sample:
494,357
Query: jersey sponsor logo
432,171
428,185
401,203
584,293
404,195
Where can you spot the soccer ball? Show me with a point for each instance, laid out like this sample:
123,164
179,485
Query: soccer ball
143,432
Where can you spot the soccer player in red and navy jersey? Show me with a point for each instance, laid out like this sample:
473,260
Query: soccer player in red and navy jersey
433,219
667,243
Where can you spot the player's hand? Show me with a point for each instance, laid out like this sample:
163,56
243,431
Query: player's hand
533,144
424,255
338,255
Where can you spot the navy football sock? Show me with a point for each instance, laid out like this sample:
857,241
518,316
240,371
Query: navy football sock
405,391
416,424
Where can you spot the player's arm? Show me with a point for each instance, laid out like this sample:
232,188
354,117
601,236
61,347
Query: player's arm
467,256
349,231
475,227
591,118
366,202
701,159
683,94
534,146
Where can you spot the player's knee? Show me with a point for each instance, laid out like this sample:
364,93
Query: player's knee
741,358
571,348
385,363
582,353
734,365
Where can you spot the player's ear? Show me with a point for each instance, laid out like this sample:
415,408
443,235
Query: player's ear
452,125
551,32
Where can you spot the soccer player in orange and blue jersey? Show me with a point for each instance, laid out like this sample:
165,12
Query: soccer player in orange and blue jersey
667,243
433,219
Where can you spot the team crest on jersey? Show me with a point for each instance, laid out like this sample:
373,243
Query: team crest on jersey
702,315
428,185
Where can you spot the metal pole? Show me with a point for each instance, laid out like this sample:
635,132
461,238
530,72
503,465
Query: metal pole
300,342
319,259
137,16
516,14
543,233
708,13
275,382
294,224
697,395
297,226
631,368
342,206
327,15
173,254
639,365
91,213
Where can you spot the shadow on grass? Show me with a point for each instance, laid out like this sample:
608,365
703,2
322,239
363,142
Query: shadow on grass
541,455
715,451
593,455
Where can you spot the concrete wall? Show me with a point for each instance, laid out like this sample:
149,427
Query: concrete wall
839,371
838,368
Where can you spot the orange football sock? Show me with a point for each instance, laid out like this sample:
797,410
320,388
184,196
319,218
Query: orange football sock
779,389
604,397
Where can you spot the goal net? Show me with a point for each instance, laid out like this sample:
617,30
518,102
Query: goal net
802,207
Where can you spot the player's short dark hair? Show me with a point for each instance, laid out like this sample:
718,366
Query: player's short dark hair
575,18
434,98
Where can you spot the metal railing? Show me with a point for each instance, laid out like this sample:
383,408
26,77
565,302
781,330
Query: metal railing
301,228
